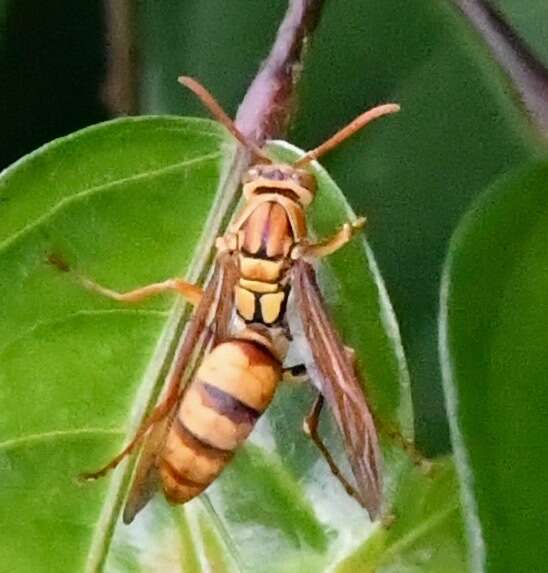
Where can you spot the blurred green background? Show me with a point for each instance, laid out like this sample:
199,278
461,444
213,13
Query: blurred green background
62,67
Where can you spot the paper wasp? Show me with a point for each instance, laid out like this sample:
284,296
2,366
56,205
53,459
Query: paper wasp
243,327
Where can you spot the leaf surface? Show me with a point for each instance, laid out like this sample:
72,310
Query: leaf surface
127,203
493,344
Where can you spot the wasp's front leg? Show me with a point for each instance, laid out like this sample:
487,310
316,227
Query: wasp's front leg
331,244
190,292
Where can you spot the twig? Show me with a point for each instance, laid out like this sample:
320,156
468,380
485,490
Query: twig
119,91
528,74
266,108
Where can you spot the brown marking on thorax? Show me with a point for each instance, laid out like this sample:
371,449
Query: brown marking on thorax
264,260
293,211
267,232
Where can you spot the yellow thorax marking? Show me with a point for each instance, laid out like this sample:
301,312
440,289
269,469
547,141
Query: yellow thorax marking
245,302
260,269
271,305
258,286
302,194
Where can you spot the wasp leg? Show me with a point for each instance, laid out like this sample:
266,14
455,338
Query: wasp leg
310,427
405,444
162,409
159,412
191,292
331,244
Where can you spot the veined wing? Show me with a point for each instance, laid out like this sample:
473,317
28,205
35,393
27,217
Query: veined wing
340,386
209,322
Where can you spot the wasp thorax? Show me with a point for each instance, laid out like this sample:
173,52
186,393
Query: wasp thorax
297,184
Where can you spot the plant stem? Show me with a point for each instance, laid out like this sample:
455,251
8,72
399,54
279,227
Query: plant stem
528,75
266,108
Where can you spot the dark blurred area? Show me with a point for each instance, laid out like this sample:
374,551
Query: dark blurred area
52,66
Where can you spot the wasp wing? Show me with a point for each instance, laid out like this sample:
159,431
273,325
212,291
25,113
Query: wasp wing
340,386
210,322
146,478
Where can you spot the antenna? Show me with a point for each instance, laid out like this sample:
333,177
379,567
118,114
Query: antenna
219,114
355,125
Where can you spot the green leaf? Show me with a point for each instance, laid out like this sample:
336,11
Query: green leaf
427,537
493,344
128,203
527,17
75,367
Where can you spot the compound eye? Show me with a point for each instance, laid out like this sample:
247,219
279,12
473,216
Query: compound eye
308,181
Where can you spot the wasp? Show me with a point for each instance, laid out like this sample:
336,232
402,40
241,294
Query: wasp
263,280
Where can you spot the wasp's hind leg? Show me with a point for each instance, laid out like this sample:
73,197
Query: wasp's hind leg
192,293
310,428
158,414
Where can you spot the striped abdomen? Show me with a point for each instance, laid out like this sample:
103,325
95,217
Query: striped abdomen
261,294
231,389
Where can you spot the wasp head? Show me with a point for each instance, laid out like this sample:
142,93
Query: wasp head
297,184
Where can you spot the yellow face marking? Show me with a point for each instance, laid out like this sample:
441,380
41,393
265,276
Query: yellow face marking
245,303
304,195
260,269
258,286
271,305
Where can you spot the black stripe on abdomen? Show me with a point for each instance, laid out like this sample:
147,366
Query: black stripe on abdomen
179,477
197,444
229,406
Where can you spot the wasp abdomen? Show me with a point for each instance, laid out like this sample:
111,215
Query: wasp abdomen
231,389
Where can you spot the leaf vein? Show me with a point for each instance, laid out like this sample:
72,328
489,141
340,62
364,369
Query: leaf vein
415,534
13,443
90,312
105,187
